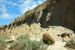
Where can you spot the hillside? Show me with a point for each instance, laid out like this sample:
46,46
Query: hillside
49,26
51,12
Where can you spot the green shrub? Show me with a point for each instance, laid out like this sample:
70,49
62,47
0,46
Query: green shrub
2,40
71,44
23,42
3,43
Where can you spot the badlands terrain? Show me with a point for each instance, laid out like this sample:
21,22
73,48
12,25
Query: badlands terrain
49,26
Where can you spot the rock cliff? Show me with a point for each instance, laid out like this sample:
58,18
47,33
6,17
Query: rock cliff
50,13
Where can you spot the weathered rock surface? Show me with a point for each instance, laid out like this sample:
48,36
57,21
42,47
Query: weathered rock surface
47,39
51,12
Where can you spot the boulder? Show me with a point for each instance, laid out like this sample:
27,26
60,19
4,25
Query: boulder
47,39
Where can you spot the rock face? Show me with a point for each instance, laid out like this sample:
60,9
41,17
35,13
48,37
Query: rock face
51,12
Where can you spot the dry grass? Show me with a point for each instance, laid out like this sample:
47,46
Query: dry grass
27,37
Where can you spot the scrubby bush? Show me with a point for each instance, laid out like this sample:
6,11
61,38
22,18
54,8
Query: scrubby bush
71,44
23,42
2,40
3,43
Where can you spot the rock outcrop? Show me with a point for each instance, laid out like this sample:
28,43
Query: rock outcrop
51,12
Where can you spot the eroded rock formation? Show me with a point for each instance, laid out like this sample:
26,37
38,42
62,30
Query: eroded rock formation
51,12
